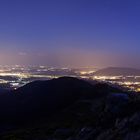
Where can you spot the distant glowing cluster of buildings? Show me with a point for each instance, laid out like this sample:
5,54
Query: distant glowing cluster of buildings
16,76
133,84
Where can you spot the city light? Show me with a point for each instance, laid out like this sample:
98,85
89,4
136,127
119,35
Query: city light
17,76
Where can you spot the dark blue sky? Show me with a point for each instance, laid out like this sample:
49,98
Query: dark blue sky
70,32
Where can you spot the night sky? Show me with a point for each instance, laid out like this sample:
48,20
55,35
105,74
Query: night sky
70,33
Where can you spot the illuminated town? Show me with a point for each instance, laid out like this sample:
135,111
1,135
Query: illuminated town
16,76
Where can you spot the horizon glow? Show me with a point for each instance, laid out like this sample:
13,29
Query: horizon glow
73,33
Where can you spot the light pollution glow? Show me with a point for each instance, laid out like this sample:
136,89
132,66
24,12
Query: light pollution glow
66,57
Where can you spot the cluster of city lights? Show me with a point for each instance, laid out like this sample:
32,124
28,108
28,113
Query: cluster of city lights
17,76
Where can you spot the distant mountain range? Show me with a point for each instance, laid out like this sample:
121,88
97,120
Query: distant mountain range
117,71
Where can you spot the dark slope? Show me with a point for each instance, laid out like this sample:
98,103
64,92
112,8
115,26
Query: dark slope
117,71
43,98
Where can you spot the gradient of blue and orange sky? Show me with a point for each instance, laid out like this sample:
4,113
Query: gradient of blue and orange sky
96,33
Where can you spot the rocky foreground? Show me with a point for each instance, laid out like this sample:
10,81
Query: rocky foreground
69,109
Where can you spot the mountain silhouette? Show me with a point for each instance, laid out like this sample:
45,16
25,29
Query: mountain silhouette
43,98
68,108
117,71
